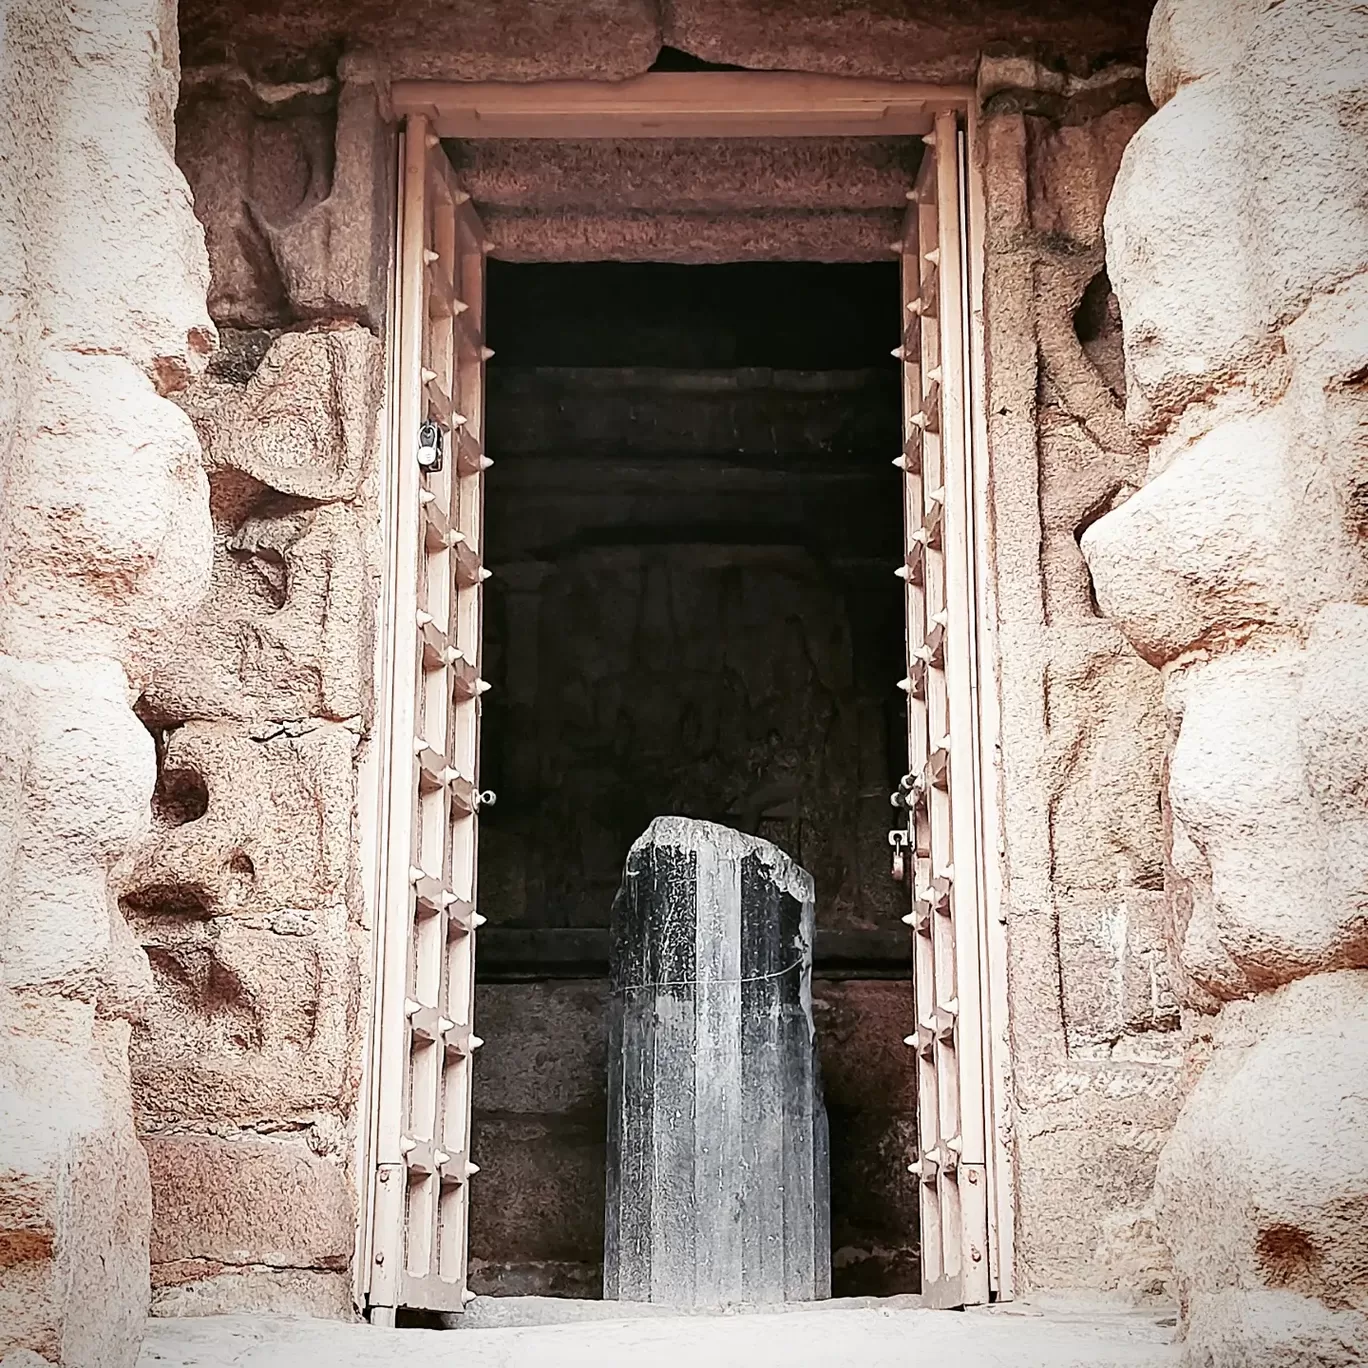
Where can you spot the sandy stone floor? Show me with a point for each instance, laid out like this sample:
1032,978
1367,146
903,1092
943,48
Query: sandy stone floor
515,1333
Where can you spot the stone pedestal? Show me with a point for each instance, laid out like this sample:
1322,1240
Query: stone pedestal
717,1137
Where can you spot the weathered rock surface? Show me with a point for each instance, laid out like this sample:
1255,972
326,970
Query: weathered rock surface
1270,1239
246,1203
718,1186
240,899
292,184
105,530
611,39
1237,243
1095,1041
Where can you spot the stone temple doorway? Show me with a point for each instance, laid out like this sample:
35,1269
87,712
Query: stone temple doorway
692,531
691,521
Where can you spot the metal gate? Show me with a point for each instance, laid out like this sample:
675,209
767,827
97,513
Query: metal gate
428,729
938,852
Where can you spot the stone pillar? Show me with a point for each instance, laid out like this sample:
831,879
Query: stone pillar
104,550
1237,243
717,1135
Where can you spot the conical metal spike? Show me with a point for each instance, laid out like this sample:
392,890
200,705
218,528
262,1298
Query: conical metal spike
432,140
471,1169
461,196
915,305
896,247
458,307
933,375
486,353
903,572
929,138
899,352
467,1296
485,462
911,195
429,376
475,1042
485,573
440,1157
919,420
445,1024
459,420
910,1041
477,921
486,246
905,685
909,920
901,462
406,1144
482,686
933,256
412,1006
429,256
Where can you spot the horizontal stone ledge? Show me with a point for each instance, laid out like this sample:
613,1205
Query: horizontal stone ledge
714,175
830,236
512,953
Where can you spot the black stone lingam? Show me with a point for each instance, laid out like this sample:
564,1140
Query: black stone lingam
718,1188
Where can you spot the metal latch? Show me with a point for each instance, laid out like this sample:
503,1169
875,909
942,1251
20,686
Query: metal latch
899,841
909,794
431,444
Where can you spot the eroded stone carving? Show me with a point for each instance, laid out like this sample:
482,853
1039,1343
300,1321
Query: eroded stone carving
285,630
292,186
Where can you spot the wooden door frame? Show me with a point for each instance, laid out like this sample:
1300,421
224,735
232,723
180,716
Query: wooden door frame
777,105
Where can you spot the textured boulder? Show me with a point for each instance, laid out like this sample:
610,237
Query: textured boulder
305,422
1270,1239
1270,759
718,1183
105,528
1237,242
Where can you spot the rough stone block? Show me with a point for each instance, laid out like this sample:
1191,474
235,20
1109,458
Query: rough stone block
1203,549
293,189
717,1147
333,256
1114,975
1106,734
73,1195
76,773
305,423
286,631
225,1291
1268,1242
105,521
248,1202
247,1025
1072,167
1269,759
250,822
1210,254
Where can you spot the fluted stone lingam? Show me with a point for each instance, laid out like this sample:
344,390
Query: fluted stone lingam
718,1188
